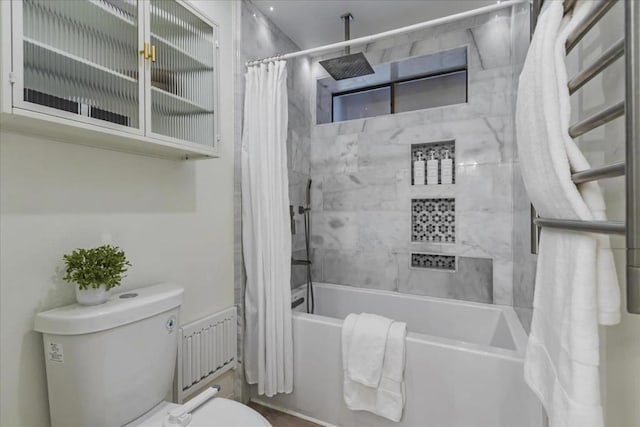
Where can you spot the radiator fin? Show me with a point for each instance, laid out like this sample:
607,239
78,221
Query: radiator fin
207,349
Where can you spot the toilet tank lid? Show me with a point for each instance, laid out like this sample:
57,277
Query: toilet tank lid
120,309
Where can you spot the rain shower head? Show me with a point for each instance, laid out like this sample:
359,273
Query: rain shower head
349,65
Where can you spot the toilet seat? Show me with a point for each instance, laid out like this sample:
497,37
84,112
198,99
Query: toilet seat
217,412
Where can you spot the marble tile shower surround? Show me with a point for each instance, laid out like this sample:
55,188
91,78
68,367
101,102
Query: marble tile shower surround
258,37
361,194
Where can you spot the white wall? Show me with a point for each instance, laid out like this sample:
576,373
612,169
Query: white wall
173,219
620,373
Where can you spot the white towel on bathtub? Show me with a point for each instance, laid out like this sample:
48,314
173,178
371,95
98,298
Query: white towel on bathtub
387,399
366,353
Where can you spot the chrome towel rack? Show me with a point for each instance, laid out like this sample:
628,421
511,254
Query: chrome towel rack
629,46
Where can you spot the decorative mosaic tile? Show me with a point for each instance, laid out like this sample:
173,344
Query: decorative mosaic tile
438,149
440,262
433,220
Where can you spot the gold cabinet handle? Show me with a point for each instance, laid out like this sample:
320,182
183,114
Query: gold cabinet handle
145,51
153,54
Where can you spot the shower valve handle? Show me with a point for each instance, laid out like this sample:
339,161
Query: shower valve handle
292,213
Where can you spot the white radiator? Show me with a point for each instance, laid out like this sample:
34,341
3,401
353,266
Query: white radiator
206,350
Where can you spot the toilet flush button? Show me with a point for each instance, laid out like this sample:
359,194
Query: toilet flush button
128,295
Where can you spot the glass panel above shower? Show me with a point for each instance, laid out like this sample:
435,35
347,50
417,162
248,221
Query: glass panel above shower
430,92
411,84
183,67
361,104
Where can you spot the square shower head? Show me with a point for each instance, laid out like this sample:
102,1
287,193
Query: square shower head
348,66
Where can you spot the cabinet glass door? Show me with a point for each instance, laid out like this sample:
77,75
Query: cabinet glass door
182,78
80,57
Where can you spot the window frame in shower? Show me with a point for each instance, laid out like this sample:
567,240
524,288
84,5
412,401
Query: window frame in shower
392,85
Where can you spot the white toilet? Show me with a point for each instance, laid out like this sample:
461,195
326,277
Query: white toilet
112,365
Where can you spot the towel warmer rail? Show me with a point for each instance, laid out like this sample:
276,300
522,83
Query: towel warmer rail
598,11
610,171
606,59
630,107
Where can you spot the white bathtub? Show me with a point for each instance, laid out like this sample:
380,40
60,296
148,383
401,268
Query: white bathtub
464,361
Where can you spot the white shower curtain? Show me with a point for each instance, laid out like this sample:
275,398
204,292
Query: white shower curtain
266,235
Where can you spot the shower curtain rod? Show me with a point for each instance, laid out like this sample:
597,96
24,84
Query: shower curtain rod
414,27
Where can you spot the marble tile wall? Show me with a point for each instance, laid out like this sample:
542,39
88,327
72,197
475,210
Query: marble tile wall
472,280
258,37
361,171
524,262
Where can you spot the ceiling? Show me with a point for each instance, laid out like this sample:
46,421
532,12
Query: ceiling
311,23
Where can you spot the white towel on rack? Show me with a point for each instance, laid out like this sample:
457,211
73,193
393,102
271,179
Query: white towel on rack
387,397
576,283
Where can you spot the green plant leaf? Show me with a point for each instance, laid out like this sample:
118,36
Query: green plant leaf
91,268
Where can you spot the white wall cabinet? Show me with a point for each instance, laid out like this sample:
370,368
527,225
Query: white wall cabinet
133,75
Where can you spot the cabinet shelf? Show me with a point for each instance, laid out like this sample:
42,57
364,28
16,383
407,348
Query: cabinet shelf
97,16
178,60
432,191
39,61
168,103
81,133
107,10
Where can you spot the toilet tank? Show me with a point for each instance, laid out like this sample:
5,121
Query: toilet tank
108,364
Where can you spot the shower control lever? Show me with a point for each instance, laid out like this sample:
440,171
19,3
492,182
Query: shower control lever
292,213
300,262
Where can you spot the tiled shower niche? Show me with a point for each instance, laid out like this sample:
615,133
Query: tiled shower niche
433,220
433,261
438,149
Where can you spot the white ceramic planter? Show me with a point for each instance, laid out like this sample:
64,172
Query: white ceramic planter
91,296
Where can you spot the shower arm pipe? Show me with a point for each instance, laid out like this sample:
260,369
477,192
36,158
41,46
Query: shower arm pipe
390,33
347,17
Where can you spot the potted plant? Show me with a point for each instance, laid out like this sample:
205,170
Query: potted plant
95,271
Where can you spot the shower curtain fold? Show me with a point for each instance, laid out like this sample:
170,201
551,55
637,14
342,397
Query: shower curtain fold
265,231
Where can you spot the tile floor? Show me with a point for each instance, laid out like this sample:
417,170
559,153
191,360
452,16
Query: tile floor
280,419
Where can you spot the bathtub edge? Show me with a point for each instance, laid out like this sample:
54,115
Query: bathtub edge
292,412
